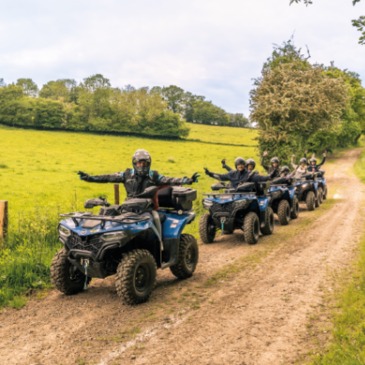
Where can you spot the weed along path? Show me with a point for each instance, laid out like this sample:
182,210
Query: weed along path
244,305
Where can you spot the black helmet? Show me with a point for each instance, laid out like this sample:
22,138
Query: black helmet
141,155
239,161
313,159
284,170
303,160
274,160
251,162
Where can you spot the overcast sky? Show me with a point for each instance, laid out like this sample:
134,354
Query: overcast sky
213,48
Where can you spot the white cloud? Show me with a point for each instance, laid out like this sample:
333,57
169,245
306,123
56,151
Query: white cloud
212,48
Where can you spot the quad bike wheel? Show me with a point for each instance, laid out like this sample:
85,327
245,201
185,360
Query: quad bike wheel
251,228
136,276
310,200
268,226
187,257
295,208
66,277
320,196
284,212
207,228
325,192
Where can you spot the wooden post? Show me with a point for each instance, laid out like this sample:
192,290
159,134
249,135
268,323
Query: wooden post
3,219
116,193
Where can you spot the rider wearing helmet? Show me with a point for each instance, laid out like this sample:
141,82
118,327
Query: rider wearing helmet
137,179
234,176
274,169
301,169
284,171
254,176
237,161
313,167
241,174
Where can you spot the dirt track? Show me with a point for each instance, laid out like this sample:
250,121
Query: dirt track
261,314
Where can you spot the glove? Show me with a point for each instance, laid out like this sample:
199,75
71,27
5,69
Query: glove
223,163
195,177
207,172
83,175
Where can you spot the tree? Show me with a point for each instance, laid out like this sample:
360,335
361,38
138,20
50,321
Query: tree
58,90
175,98
2,82
238,120
357,23
29,87
204,112
95,82
294,100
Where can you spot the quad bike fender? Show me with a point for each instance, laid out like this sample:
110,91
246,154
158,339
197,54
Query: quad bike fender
263,203
174,224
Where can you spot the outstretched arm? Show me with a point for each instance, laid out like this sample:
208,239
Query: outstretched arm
164,180
220,177
255,177
111,178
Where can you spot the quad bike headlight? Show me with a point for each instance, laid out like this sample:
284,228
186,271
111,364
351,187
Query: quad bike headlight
241,204
63,231
207,203
113,236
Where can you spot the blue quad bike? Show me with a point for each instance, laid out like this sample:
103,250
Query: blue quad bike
309,191
130,240
246,208
284,200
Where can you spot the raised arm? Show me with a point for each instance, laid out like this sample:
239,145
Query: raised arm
292,162
264,161
225,166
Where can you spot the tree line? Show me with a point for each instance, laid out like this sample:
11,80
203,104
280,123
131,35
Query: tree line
94,105
301,107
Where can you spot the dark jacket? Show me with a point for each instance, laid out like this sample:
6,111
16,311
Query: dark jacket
135,184
315,168
271,170
238,177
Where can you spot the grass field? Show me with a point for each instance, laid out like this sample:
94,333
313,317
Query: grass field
236,136
38,177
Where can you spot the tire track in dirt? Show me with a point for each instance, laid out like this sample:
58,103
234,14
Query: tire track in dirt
259,317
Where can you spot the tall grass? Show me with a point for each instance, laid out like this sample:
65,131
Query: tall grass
25,257
38,178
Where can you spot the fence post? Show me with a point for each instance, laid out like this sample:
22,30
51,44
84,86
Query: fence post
3,219
116,193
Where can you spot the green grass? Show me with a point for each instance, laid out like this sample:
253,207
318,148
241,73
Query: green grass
347,346
38,179
229,135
